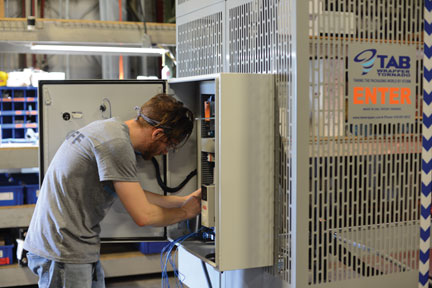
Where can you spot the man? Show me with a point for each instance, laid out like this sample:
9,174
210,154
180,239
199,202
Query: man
63,236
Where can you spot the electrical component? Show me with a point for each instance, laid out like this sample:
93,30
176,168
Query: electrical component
208,234
208,145
207,110
208,205
207,115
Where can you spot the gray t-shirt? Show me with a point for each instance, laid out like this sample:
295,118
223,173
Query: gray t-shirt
73,198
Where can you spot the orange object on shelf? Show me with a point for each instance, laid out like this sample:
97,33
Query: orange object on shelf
207,110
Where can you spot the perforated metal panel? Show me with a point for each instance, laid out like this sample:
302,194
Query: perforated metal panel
200,42
256,40
364,181
361,198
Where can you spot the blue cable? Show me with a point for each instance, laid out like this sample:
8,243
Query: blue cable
166,258
188,225
164,262
168,250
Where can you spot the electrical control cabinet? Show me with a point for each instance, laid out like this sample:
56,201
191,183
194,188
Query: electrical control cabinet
235,160
232,148
65,106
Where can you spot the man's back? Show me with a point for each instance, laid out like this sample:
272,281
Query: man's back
73,201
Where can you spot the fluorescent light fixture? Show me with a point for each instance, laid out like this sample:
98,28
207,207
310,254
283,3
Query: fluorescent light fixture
98,49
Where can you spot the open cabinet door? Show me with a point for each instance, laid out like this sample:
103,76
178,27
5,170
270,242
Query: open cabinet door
65,106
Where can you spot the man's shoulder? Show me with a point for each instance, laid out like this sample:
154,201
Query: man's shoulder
112,127
105,132
111,122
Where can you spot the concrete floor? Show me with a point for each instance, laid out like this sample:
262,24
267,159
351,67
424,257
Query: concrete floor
147,281
141,281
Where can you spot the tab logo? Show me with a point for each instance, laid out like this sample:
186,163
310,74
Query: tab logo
389,66
367,59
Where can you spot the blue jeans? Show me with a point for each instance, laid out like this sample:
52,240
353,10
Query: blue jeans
57,274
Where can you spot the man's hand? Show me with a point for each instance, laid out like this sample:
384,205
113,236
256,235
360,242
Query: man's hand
196,193
192,205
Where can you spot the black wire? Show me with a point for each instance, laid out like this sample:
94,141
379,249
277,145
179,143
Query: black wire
206,274
164,186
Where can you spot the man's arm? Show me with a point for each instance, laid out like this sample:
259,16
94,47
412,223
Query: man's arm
171,201
145,213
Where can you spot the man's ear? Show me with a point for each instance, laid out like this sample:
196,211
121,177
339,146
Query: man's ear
157,134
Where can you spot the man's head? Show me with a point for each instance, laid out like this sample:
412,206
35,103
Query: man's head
169,121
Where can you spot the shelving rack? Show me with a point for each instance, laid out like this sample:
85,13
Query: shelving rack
18,112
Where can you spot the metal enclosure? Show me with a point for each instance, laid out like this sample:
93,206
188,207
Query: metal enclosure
347,193
243,174
66,106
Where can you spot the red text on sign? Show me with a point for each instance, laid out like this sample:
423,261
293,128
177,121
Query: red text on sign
382,95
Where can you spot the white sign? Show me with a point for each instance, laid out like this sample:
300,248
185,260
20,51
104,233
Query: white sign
381,83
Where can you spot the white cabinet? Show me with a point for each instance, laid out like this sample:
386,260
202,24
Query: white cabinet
236,113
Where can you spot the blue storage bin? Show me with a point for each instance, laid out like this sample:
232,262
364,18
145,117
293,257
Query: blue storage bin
6,254
7,180
11,195
23,178
31,193
152,247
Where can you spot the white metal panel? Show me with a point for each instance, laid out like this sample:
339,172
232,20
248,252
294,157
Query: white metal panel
120,99
69,98
244,172
193,273
244,141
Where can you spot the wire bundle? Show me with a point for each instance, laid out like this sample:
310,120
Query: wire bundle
166,257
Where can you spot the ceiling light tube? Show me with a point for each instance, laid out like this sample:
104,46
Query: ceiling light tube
98,49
